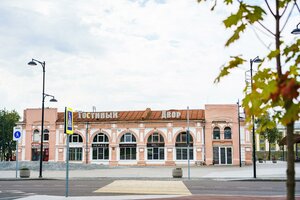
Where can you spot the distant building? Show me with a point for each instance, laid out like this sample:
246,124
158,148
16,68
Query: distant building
148,137
262,144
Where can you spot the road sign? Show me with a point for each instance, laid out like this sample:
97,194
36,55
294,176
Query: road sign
17,134
69,121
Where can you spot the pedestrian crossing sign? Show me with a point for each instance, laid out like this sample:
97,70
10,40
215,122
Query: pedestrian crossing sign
69,128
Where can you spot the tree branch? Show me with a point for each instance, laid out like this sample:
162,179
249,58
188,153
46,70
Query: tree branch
287,19
297,6
269,8
266,28
285,9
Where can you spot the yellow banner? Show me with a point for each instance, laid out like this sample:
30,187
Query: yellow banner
69,128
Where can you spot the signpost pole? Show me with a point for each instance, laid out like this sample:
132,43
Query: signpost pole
68,131
67,168
17,160
188,142
17,133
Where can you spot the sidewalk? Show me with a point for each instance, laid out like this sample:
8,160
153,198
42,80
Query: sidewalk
263,171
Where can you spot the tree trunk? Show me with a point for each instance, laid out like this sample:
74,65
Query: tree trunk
290,183
269,151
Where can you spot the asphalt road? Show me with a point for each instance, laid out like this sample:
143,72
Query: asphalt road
14,189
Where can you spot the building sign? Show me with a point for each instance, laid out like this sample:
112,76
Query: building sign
97,115
183,144
100,145
127,145
170,114
38,146
155,144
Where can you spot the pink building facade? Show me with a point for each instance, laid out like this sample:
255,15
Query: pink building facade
145,137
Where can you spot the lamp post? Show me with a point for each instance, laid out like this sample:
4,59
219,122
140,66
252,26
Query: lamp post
86,142
44,95
296,30
188,142
255,60
239,125
2,142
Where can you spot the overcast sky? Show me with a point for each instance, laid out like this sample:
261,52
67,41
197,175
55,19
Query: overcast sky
120,55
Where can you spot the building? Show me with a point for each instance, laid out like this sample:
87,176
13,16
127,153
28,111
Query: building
148,137
263,145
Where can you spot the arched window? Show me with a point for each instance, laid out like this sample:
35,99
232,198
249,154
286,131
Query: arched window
100,147
36,136
155,147
182,146
74,138
216,133
46,135
227,133
128,147
128,138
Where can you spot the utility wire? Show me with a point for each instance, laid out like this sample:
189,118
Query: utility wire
259,38
287,19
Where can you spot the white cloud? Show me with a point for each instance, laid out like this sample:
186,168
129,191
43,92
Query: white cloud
118,55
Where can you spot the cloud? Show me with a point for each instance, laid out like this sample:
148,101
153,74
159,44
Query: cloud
117,55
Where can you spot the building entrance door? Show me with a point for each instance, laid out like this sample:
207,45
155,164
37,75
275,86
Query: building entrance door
222,155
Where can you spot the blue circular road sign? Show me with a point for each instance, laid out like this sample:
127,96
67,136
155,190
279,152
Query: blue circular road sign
17,134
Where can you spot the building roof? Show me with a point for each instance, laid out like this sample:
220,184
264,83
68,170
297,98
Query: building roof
296,139
146,115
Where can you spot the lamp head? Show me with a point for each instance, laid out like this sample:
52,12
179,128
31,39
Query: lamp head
296,30
32,63
257,60
53,100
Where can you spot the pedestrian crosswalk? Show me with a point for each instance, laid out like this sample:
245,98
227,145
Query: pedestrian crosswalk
145,187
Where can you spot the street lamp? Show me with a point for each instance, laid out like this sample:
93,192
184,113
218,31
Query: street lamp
296,30
44,95
239,125
255,60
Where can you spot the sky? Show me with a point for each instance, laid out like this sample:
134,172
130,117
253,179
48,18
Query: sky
120,55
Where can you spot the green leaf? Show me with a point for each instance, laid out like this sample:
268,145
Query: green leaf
292,114
227,2
236,34
232,20
254,14
235,62
273,54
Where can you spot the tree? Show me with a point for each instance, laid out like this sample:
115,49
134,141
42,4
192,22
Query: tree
270,133
274,88
8,120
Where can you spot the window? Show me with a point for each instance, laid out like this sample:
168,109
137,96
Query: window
155,147
227,133
75,138
156,138
222,155
182,147
273,146
181,153
75,153
216,133
128,137
182,138
100,137
128,153
46,135
36,135
128,147
100,147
